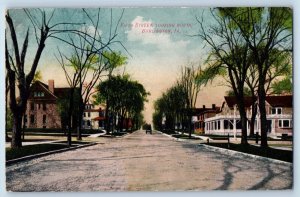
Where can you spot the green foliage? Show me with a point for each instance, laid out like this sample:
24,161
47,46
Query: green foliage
126,97
37,76
169,105
63,104
283,86
247,92
113,59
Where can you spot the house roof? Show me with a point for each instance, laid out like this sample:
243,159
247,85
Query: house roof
99,118
199,111
39,86
274,101
231,101
280,101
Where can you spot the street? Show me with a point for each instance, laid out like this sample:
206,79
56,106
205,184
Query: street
140,162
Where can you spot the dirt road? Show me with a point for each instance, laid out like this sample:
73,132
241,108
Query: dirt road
140,162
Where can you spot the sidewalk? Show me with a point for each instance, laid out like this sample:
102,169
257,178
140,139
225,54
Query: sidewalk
236,140
7,144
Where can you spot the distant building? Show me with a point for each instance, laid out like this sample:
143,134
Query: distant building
204,113
93,117
279,117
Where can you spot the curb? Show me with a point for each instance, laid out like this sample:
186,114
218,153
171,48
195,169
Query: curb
239,154
29,157
232,152
174,138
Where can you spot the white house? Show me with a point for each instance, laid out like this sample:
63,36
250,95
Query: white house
93,117
279,115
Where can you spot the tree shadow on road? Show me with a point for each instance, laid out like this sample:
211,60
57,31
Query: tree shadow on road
232,167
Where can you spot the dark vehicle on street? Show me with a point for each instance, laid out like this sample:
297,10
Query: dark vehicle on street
148,128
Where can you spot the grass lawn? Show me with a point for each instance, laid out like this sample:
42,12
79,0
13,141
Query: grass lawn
283,155
13,153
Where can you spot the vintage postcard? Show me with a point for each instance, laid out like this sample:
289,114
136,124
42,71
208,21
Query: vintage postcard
149,99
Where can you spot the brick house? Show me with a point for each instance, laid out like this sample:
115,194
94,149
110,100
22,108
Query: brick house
42,110
204,113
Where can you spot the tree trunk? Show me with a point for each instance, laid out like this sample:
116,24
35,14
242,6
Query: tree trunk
190,125
16,140
252,120
107,118
80,117
239,95
244,127
263,115
70,113
121,123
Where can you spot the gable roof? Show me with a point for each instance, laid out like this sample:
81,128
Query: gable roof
58,92
280,101
38,86
231,101
274,101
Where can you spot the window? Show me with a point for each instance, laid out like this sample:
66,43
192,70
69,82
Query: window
88,123
32,106
39,106
285,123
44,119
44,106
31,119
84,115
89,114
38,94
276,110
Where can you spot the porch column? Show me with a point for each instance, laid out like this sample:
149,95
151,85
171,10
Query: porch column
273,127
222,124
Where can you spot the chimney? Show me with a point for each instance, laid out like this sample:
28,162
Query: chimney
203,107
51,86
213,106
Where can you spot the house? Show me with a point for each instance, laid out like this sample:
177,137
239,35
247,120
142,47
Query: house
204,113
93,117
42,109
279,116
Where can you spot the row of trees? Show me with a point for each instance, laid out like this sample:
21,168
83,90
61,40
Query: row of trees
126,99
251,47
176,106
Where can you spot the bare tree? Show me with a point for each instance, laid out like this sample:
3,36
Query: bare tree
15,63
88,62
191,88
